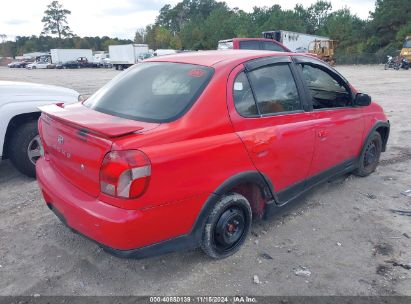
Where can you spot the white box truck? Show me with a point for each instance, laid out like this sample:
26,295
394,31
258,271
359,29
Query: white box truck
125,55
296,42
65,55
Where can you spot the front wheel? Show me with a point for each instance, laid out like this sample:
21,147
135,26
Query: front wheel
370,155
26,148
227,226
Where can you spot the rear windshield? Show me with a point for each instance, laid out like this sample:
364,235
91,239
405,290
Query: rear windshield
152,91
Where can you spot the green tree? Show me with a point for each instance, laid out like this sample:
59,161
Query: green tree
389,17
55,20
348,29
318,14
284,20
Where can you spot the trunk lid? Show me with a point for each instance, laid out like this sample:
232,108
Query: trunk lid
76,139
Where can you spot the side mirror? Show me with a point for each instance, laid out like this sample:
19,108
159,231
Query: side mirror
362,100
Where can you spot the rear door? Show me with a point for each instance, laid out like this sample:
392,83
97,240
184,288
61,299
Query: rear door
269,113
339,125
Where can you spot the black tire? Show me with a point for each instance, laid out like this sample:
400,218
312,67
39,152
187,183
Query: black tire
227,226
19,147
370,155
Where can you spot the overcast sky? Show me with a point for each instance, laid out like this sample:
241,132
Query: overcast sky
120,18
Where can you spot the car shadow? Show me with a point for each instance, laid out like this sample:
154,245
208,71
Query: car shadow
10,174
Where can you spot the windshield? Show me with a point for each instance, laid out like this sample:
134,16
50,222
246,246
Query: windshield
407,44
152,91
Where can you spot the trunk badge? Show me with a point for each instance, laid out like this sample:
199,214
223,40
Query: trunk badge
60,139
82,167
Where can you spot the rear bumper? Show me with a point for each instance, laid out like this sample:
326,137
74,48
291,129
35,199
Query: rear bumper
125,233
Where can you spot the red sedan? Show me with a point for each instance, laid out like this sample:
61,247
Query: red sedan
182,151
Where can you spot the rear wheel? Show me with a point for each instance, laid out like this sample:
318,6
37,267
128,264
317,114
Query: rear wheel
26,148
370,155
227,226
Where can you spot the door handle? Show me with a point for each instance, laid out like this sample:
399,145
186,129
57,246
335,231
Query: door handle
323,133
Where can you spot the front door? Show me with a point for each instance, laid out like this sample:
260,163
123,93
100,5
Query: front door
339,125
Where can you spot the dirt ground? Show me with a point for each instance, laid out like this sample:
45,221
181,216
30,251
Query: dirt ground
343,232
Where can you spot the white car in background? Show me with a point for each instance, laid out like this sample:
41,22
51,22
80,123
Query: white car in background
19,102
162,52
40,65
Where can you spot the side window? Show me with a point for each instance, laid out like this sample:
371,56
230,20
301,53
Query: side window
272,46
326,91
275,89
250,45
243,96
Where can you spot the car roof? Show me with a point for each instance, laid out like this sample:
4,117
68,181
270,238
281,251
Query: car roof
211,58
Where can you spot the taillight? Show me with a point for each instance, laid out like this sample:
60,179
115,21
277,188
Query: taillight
125,174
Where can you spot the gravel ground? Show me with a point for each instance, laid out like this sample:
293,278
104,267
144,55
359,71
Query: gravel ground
343,232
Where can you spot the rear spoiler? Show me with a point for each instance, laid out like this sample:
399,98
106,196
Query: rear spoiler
90,121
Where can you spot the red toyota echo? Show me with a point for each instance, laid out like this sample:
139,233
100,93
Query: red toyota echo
182,151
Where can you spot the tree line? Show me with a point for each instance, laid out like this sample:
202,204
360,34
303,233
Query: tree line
199,24
24,44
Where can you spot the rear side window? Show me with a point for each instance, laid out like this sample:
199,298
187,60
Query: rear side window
272,90
243,96
250,45
275,89
152,91
271,46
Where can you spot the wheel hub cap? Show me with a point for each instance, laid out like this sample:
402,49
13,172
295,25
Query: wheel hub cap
35,149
